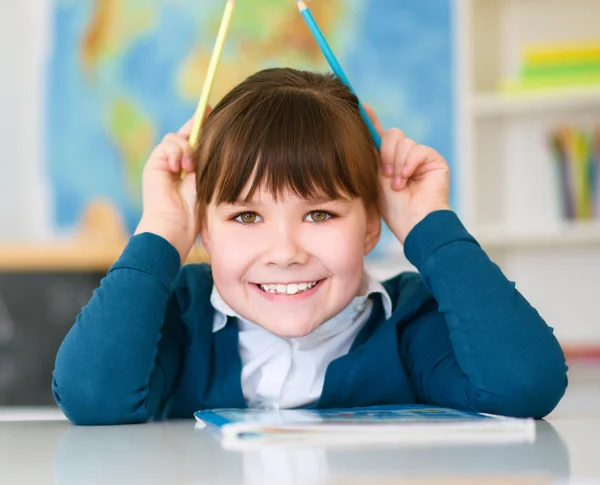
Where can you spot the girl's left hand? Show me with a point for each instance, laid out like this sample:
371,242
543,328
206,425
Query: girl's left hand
415,180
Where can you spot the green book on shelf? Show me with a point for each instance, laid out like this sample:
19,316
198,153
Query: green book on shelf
515,86
575,69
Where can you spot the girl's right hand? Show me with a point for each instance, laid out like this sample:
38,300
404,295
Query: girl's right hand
169,192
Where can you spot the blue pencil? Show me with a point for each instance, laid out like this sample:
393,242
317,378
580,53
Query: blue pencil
335,65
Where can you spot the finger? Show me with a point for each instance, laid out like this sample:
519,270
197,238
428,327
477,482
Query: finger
374,119
186,162
186,129
389,143
402,151
419,157
159,159
174,155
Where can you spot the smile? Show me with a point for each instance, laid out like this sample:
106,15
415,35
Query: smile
288,289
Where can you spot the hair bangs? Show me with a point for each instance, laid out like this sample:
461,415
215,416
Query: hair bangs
286,139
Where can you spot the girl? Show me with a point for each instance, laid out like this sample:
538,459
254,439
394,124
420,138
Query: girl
287,190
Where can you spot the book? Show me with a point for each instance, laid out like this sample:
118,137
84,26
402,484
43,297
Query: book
418,425
553,53
556,66
576,154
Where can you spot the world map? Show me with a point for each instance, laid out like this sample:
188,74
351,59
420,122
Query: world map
122,74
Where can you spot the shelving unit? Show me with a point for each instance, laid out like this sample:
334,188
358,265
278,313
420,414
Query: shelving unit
488,105
569,236
506,178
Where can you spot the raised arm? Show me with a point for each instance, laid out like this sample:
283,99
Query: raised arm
483,346
487,349
120,361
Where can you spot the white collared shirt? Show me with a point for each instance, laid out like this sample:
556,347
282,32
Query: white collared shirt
284,373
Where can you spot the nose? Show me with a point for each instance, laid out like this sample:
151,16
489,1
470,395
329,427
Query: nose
284,247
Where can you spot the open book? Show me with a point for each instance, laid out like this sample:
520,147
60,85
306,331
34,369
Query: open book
413,424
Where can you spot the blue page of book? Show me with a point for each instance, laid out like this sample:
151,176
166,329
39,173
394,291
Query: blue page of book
366,415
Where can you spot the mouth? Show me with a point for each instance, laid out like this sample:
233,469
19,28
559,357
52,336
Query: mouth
288,292
288,289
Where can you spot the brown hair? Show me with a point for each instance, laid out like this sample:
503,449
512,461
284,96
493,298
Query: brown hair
289,130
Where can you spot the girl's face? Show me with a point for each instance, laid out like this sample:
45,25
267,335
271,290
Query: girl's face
289,265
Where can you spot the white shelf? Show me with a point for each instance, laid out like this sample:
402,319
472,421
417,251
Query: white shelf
507,177
498,104
569,236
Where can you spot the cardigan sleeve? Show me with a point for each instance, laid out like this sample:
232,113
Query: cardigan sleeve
120,360
482,346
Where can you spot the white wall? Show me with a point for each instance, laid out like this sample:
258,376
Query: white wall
24,42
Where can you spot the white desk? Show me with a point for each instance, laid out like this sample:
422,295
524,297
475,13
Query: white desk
567,450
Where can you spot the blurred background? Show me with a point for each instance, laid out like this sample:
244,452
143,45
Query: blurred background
507,90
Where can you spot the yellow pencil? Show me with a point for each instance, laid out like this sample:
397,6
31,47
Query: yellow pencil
212,70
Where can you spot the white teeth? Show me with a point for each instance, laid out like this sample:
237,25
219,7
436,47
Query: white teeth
290,289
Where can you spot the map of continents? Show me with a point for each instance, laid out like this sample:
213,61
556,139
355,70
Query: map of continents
124,73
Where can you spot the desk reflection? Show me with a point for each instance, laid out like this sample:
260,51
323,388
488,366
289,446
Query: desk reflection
176,452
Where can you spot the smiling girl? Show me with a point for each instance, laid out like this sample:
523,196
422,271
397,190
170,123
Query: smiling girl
287,191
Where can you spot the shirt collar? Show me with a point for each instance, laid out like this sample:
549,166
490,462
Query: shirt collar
370,286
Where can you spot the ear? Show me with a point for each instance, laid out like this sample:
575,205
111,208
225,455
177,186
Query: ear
205,242
205,236
373,230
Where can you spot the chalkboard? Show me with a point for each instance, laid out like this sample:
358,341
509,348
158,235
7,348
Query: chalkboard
36,312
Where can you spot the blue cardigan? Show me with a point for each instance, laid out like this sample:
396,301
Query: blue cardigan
460,336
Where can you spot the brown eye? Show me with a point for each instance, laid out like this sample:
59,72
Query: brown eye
318,216
247,218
